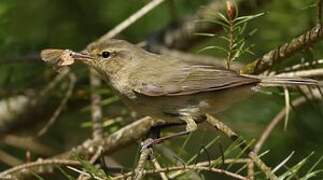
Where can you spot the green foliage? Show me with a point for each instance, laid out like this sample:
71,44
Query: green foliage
234,35
88,167
65,174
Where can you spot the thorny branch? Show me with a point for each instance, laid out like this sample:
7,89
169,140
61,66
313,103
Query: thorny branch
284,51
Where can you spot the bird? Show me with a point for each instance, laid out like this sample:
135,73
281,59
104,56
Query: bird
166,87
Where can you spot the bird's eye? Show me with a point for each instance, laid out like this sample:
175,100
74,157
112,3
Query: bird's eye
106,54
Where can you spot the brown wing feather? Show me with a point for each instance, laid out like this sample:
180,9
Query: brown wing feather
192,79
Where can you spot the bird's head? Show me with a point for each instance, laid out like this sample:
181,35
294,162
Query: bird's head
109,57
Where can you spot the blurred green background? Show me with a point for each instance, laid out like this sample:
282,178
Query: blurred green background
26,27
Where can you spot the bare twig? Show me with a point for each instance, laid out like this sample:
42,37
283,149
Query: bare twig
92,161
251,170
59,77
279,117
9,159
28,143
189,167
118,139
212,163
157,166
8,173
303,65
234,137
96,110
84,174
303,73
130,20
61,106
287,106
144,155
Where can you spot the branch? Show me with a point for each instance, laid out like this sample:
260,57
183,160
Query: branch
243,145
113,142
96,110
28,143
61,106
130,20
118,139
157,166
144,155
40,163
284,51
189,167
23,110
279,117
303,73
9,159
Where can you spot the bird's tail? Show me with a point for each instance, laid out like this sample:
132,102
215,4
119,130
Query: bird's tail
284,81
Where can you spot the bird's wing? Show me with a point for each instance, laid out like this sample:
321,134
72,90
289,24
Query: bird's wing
176,80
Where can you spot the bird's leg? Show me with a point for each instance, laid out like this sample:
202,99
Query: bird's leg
155,130
190,127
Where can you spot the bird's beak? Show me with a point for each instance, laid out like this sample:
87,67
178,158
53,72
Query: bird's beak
82,56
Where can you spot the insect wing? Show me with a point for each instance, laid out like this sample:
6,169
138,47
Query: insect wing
51,55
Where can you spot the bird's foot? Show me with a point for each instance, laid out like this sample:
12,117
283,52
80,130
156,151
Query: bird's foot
148,143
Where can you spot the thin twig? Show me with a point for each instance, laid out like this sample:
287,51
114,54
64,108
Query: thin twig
7,173
92,161
287,106
303,65
190,167
59,77
251,170
124,136
303,73
144,155
157,166
29,143
9,159
84,174
279,117
61,106
212,163
243,145
96,109
130,20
